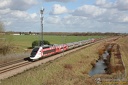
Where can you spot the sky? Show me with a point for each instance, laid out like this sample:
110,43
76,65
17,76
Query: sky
65,15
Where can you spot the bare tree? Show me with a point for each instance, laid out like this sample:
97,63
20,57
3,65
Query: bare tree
1,27
4,47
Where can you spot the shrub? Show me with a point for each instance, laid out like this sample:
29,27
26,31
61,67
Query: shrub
93,63
5,49
101,50
39,43
68,66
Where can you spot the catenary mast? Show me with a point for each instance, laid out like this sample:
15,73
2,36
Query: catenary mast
41,17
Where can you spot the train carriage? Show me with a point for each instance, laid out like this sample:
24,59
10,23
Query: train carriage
47,50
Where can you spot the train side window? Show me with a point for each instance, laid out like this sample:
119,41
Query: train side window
49,51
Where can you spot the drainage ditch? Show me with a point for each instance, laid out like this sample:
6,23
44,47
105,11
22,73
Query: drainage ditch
101,66
109,61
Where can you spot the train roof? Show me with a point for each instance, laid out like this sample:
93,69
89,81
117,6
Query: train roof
44,46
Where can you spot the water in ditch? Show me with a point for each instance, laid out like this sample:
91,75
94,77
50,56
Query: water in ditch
99,66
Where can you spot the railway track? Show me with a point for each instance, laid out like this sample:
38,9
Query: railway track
10,63
13,66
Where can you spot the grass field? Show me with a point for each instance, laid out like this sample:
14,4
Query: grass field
24,41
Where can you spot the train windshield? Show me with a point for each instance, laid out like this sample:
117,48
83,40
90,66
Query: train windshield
34,51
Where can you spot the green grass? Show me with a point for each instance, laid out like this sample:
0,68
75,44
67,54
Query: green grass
24,41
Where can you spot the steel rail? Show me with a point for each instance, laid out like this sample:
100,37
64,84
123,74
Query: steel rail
15,66
10,63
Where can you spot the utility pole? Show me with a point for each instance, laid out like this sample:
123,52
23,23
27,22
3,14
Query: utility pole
41,17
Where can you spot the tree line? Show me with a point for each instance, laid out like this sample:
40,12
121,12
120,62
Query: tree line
69,33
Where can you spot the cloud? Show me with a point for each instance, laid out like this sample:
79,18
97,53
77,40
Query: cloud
59,0
16,20
123,19
81,24
54,20
102,14
88,11
4,11
113,16
33,15
14,15
116,11
17,4
100,2
5,3
19,14
7,23
58,9
74,20
22,15
121,4
103,3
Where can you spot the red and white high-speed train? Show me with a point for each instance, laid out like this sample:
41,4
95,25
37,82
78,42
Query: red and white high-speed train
47,50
